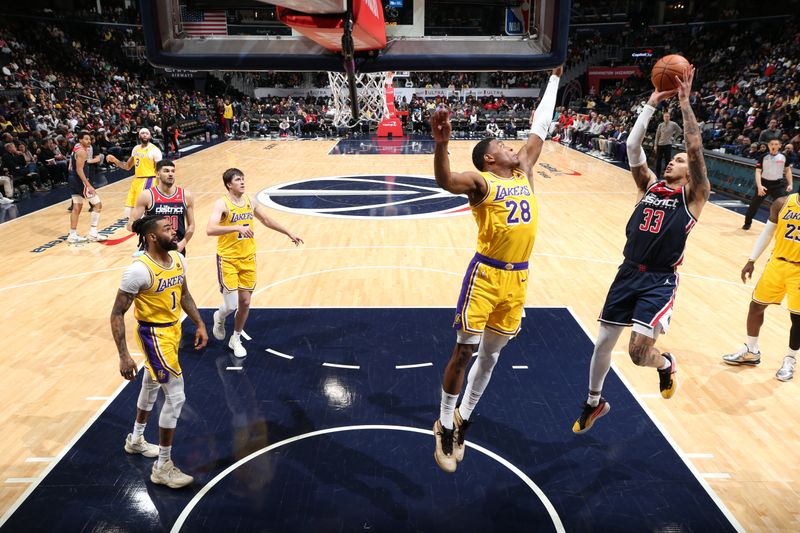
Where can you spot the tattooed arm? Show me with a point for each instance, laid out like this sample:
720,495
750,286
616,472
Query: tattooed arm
699,188
127,367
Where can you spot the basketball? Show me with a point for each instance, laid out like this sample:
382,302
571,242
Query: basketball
665,70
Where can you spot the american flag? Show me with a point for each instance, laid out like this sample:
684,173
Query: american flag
197,23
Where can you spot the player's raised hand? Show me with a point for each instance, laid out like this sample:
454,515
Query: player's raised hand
684,82
659,96
558,71
440,124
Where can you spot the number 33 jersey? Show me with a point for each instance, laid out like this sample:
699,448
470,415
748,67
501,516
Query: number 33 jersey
506,218
658,227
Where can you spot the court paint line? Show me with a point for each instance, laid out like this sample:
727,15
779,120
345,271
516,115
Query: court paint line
71,444
716,475
22,479
234,368
519,367
700,455
557,524
342,269
336,365
279,354
418,365
703,483
39,459
384,247
98,398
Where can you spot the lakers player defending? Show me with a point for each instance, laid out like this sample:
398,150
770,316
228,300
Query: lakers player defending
489,309
643,292
168,200
143,159
81,186
232,221
781,277
156,284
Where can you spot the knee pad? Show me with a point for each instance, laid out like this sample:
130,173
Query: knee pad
174,398
94,200
147,394
77,199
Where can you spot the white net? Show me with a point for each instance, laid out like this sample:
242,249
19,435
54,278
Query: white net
371,95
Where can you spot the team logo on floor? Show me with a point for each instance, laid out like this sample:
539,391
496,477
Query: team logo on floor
373,196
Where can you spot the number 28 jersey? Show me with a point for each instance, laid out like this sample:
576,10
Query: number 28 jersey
658,228
506,218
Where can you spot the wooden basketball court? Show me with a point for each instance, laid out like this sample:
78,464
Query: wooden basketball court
735,425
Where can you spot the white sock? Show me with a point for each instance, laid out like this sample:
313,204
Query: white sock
792,353
73,232
666,364
237,335
447,409
164,453
593,399
138,430
752,343
95,220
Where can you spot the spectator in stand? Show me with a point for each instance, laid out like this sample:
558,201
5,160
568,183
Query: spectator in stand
772,132
493,129
667,134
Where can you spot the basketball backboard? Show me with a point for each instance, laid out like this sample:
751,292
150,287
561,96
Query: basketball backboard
422,35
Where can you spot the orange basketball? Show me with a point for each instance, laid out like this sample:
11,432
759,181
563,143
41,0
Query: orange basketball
665,70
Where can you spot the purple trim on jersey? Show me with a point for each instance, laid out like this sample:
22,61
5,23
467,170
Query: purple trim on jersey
152,353
465,295
501,265
222,287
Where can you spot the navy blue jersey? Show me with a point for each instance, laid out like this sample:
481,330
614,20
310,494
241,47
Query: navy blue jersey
73,162
173,207
658,227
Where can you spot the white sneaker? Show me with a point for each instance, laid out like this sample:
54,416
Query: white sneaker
786,372
74,238
97,237
141,446
4,200
235,344
743,357
169,475
219,327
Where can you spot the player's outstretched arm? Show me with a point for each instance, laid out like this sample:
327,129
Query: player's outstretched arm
127,367
765,238
271,223
637,160
189,307
699,187
470,183
540,123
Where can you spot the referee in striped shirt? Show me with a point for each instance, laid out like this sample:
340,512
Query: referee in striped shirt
773,178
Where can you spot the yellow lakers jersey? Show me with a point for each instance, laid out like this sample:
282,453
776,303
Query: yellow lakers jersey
160,303
143,164
507,218
233,245
787,234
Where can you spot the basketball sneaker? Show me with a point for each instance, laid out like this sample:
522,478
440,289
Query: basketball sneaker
235,344
667,381
97,237
444,447
169,475
743,357
461,427
74,238
589,415
219,327
786,372
141,446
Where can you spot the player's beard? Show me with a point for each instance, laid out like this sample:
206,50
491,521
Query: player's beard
167,244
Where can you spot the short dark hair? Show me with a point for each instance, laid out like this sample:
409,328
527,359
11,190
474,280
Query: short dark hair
228,175
164,163
479,151
143,226
83,133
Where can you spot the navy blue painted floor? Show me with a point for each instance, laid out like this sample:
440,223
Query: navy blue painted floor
621,476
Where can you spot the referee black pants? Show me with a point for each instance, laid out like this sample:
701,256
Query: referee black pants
663,155
775,189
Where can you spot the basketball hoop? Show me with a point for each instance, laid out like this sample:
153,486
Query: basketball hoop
370,97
